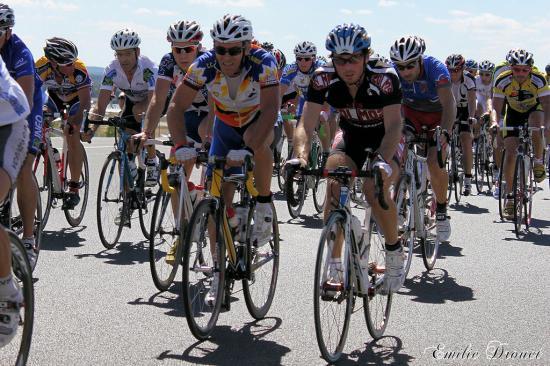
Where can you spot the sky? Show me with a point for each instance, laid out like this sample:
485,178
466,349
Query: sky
478,29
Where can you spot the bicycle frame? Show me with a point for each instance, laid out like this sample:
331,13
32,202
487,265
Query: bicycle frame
59,176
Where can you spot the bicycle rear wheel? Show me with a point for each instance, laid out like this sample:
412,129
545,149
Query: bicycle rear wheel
200,267
111,202
263,264
43,174
17,351
165,244
74,216
332,305
519,195
376,305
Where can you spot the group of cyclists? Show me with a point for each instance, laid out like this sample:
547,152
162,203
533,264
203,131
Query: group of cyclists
232,95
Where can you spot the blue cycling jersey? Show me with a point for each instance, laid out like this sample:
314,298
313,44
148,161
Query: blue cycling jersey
293,77
421,94
19,62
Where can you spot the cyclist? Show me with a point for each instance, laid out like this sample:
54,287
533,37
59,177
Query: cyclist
527,95
280,59
20,64
242,81
368,100
14,137
68,84
427,100
463,85
296,77
185,38
472,67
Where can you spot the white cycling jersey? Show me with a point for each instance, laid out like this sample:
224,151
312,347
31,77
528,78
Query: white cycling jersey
142,82
483,93
14,106
460,89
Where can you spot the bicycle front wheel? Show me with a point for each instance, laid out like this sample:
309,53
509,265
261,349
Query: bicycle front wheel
74,216
320,188
332,290
502,189
17,351
203,263
146,200
405,216
428,241
43,174
519,195
479,164
263,265
295,191
111,202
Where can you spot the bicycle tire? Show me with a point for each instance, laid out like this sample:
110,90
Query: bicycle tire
320,188
205,210
429,242
295,197
84,186
44,181
259,310
404,203
502,190
531,189
282,160
165,236
457,176
479,164
519,195
111,163
330,352
146,201
376,320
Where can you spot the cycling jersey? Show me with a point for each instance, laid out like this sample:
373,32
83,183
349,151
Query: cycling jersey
484,92
19,62
65,87
461,88
297,80
14,106
421,94
169,70
142,82
259,71
521,98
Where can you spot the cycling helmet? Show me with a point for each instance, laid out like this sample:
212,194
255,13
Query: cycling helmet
454,61
471,64
304,49
422,44
60,50
547,69
521,57
232,28
125,39
406,49
279,57
268,46
322,58
185,31
379,60
486,66
347,38
7,18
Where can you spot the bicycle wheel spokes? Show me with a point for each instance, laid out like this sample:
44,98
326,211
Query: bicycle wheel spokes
332,294
519,195
428,242
376,304
202,271
264,269
165,244
74,216
17,351
110,202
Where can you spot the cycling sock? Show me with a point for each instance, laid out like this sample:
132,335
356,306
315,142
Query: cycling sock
74,186
441,207
264,199
393,247
468,175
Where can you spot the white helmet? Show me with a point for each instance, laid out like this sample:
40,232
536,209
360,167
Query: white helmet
406,49
185,31
305,49
7,18
125,39
232,28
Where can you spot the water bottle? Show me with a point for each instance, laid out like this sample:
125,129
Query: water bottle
233,221
242,214
192,193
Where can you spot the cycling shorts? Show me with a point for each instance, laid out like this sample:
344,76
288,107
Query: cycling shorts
193,120
514,118
414,120
14,139
225,138
462,119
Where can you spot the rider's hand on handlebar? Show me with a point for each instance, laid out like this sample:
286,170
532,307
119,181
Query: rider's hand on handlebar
296,163
87,136
380,163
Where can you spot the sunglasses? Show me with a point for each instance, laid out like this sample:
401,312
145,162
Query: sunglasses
186,49
487,74
521,70
233,51
409,66
455,70
306,59
355,59
124,53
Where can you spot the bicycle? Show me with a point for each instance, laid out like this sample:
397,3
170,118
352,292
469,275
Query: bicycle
363,267
167,226
297,186
50,168
483,159
523,185
212,248
454,164
10,218
121,190
415,201
17,351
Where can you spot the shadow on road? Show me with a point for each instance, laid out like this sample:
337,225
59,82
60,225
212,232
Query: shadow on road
384,351
307,221
170,300
436,287
447,250
230,346
60,240
125,253
534,235
468,208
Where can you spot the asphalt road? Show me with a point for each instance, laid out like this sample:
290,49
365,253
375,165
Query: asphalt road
489,295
